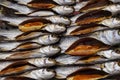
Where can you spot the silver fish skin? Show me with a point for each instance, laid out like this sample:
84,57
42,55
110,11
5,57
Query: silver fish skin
63,72
67,59
40,74
38,62
110,37
63,10
66,42
49,50
115,1
110,54
46,51
65,2
9,32
42,13
47,39
20,8
14,20
115,8
55,28
9,46
59,20
18,20
74,18
79,5
111,22
70,29
42,40
110,67
60,2
42,62
23,1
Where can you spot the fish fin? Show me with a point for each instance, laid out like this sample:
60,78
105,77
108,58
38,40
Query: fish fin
18,78
87,74
86,46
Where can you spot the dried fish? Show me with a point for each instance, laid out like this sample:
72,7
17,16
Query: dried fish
20,8
16,68
41,24
110,37
41,21
80,5
85,29
87,74
31,43
38,62
63,72
111,22
16,78
44,4
40,74
46,51
115,1
101,4
111,53
95,5
85,47
60,2
109,67
91,17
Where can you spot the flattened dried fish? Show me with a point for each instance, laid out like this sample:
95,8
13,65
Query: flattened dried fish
45,51
86,46
42,4
87,74
110,37
92,17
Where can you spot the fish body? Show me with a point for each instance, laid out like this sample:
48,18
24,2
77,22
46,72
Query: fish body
20,8
110,54
60,2
91,17
40,74
111,22
63,72
110,37
38,62
46,51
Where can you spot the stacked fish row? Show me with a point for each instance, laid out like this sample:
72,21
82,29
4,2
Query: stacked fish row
59,39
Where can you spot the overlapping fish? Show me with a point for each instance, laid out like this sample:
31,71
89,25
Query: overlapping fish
42,4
